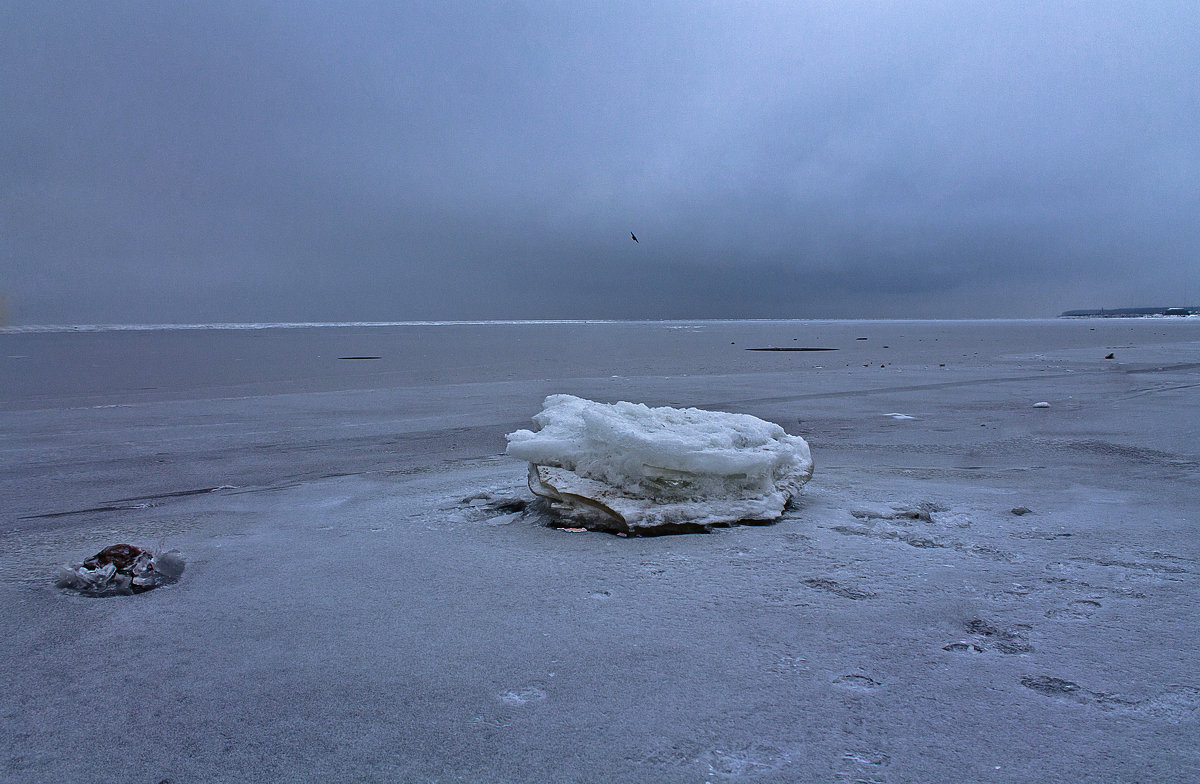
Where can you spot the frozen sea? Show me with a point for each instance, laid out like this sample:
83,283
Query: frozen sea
365,600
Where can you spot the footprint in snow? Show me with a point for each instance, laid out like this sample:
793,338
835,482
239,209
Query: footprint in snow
1076,609
856,682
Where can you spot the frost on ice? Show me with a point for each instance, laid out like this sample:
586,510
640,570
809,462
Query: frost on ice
627,467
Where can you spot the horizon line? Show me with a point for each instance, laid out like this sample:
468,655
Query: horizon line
254,325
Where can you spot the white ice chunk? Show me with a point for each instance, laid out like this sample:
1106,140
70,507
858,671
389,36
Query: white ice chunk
629,467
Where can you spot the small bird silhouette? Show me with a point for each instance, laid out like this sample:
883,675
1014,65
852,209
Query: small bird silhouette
631,234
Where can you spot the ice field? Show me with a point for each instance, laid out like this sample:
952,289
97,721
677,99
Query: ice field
969,588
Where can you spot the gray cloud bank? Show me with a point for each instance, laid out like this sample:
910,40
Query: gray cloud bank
208,161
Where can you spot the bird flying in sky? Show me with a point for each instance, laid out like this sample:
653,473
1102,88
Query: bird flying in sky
631,234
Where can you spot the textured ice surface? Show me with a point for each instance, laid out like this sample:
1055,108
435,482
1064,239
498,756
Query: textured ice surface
629,467
363,604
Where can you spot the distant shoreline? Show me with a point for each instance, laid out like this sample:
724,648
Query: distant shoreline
1191,310
16,329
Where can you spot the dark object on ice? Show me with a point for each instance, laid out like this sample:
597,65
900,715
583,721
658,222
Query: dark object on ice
635,239
1110,356
791,348
1021,510
122,556
360,357
121,569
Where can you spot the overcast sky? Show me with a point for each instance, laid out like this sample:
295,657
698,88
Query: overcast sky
350,161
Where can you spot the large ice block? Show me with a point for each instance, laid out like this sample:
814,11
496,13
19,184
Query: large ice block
628,467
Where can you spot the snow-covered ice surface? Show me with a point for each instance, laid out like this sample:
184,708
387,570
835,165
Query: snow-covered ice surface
632,468
370,596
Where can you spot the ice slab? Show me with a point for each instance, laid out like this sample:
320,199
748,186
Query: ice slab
631,468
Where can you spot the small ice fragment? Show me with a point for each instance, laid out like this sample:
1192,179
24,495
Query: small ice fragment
169,564
523,696
1042,404
895,415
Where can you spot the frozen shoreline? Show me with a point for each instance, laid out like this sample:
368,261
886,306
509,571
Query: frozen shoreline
361,601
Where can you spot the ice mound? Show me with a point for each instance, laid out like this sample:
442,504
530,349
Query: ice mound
121,569
635,469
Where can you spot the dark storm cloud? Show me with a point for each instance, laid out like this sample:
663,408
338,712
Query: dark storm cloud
377,161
